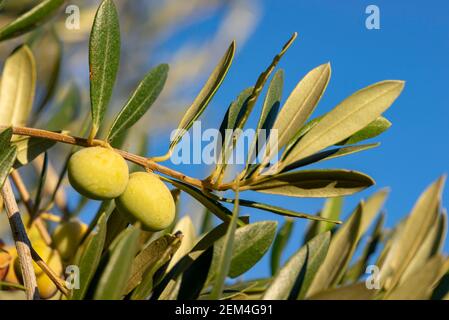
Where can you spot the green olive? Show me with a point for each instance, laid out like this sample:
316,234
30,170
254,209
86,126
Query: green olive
98,173
67,237
147,200
52,258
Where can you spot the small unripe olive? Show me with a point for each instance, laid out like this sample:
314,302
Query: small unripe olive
148,200
11,274
98,173
67,237
5,261
52,258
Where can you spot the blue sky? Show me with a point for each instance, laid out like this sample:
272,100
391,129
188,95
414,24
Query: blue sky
412,45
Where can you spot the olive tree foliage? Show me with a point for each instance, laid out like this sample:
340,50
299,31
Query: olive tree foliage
45,118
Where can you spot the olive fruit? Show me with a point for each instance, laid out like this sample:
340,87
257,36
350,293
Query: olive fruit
147,200
45,285
98,173
11,274
67,237
5,261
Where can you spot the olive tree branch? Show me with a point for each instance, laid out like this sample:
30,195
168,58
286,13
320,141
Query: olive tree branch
147,163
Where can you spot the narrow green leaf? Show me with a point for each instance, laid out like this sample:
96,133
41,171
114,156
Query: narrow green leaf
331,210
203,244
195,277
7,158
144,289
251,242
420,285
299,135
301,103
226,253
267,117
313,183
104,59
148,257
328,155
90,258
5,138
278,210
140,101
371,209
30,19
358,269
229,131
350,116
340,251
415,230
29,148
299,270
425,251
17,87
372,130
280,243
187,229
114,278
204,97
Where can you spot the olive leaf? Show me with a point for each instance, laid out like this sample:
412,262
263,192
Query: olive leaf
313,183
149,256
206,94
372,130
104,58
114,278
279,210
17,87
328,155
300,105
358,269
89,257
140,101
268,115
331,210
350,116
229,132
340,251
420,284
251,242
7,154
226,253
415,230
30,19
299,271
29,148
279,244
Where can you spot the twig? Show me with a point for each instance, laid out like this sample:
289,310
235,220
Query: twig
21,240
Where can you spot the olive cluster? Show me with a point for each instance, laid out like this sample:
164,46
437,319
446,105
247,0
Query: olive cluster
102,174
